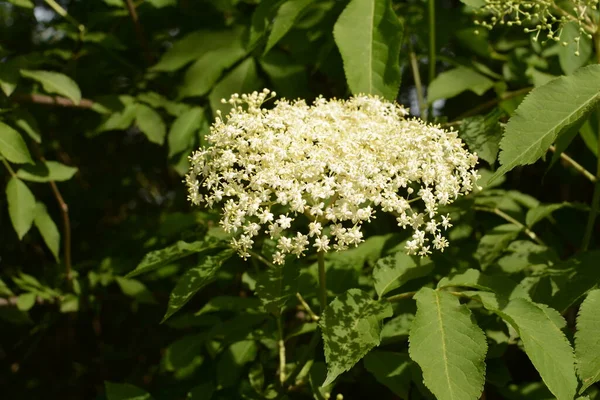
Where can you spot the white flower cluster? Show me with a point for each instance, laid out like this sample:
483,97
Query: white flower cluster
541,15
326,167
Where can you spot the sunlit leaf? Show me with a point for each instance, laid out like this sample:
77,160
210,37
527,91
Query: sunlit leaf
56,83
455,81
395,270
587,343
368,34
12,146
286,15
125,391
46,171
21,206
277,285
150,123
135,289
242,79
448,346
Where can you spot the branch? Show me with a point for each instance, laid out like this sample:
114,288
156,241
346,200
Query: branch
139,30
575,165
50,100
513,221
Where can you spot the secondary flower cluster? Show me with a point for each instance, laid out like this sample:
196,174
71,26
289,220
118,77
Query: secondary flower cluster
541,15
311,175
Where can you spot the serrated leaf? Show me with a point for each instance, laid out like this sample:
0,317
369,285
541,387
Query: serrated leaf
455,81
448,346
159,258
150,123
47,229
12,146
545,345
193,46
581,275
242,79
46,171
55,82
125,391
183,131
277,285
284,20
21,206
195,279
368,35
567,57
135,289
390,369
546,113
494,242
587,341
482,135
395,270
351,327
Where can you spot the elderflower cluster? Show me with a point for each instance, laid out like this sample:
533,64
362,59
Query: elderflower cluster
309,176
541,15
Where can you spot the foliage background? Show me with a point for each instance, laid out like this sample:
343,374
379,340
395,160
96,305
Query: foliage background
150,78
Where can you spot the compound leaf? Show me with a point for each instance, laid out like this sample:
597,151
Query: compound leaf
587,341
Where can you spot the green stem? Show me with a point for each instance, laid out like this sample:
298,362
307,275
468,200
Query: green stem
414,63
9,168
63,13
432,52
401,296
578,167
322,283
513,221
314,340
310,312
589,229
281,345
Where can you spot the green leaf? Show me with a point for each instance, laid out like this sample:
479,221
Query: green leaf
242,79
232,360
567,57
351,327
581,275
203,391
229,303
494,242
22,3
12,146
183,131
277,285
47,229
159,258
24,120
288,77
125,391
193,46
542,211
4,289
482,134
195,279
390,369
452,83
202,75
135,289
587,345
369,35
46,171
545,344
589,133
69,303
150,122
546,113
261,19
54,82
448,346
284,20
185,353
21,206
395,270
9,77
474,3
25,301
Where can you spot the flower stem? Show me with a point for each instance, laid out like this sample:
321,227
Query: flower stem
310,312
322,283
432,53
414,63
513,221
578,167
281,345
